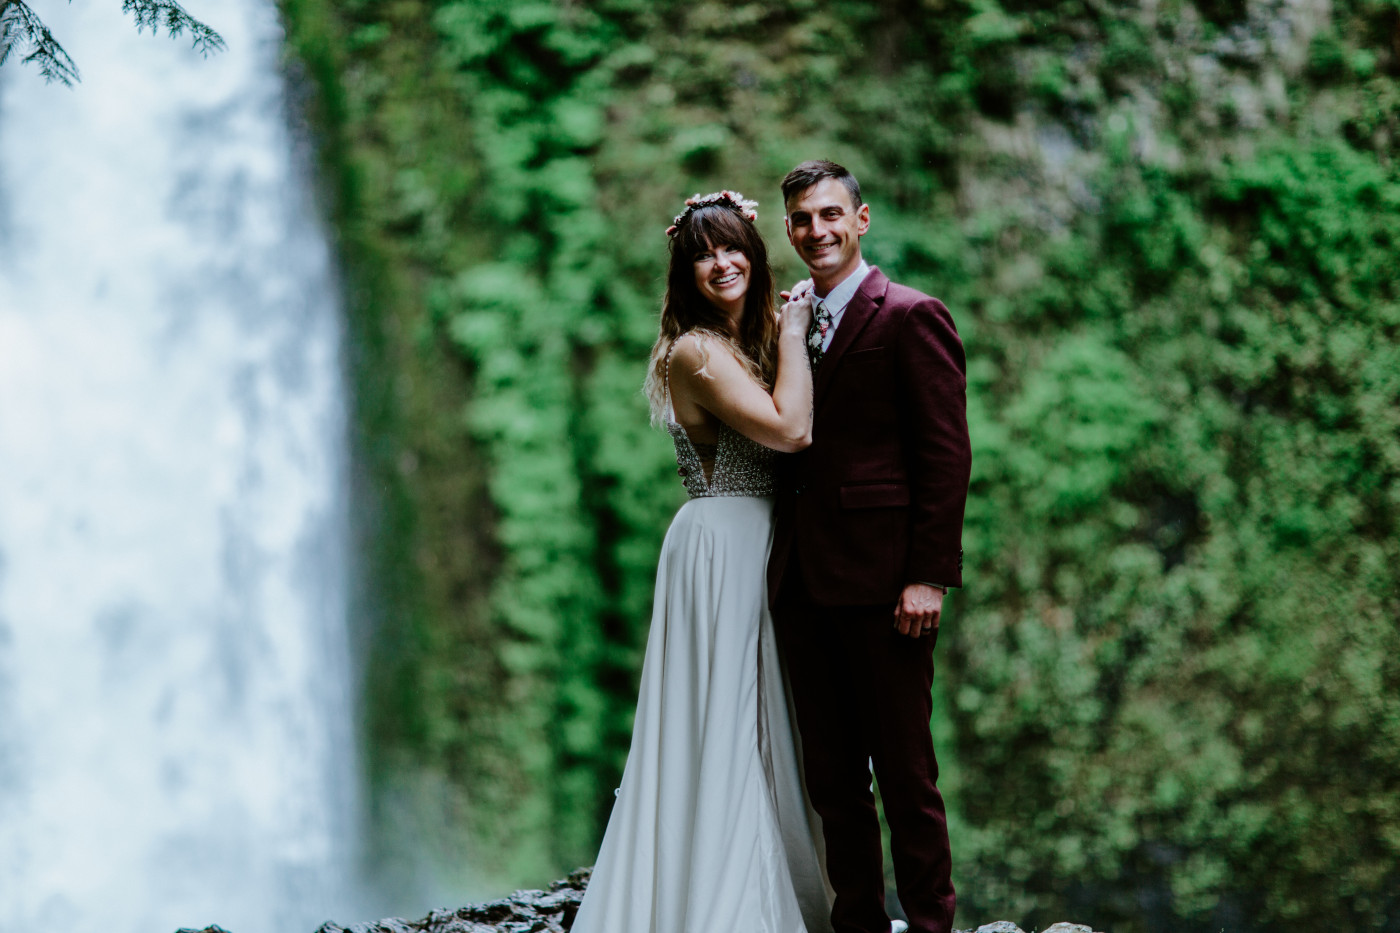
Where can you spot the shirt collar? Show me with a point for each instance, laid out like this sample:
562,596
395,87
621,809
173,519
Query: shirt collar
841,295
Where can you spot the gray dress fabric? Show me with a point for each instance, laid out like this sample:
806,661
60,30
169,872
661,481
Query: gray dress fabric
711,830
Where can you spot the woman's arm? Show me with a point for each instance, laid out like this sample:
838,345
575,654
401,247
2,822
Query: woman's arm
781,421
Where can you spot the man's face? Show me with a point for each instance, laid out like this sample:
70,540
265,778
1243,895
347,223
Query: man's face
825,228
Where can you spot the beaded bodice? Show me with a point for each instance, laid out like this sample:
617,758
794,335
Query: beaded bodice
742,467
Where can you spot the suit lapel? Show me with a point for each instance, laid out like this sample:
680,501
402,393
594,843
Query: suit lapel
858,313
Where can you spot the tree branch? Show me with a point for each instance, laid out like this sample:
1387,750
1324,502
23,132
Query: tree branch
21,30
169,13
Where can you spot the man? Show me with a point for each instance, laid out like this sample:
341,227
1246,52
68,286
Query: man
867,539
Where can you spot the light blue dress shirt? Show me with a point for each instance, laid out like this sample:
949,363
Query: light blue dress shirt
837,299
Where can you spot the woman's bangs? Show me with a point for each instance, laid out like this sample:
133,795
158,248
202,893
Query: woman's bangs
710,227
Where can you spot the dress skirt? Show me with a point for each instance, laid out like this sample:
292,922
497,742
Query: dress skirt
711,831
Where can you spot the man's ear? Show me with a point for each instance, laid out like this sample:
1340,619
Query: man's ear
862,220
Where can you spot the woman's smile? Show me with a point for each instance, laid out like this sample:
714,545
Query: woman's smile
722,275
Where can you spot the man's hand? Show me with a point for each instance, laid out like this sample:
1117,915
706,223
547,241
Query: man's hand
918,609
799,291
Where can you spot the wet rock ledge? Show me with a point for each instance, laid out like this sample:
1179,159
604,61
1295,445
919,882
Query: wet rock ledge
549,911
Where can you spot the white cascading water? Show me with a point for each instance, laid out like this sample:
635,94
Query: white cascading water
176,739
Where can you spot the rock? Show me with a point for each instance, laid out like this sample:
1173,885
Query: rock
1006,926
1000,926
549,911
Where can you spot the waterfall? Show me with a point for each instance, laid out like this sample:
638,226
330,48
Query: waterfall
176,737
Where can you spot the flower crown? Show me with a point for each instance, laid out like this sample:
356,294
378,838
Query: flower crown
726,198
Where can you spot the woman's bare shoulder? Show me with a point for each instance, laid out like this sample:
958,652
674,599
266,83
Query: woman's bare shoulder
688,346
695,351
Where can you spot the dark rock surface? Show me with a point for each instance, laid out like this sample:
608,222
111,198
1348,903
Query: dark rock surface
549,911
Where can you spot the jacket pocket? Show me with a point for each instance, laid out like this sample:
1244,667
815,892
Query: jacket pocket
875,496
868,355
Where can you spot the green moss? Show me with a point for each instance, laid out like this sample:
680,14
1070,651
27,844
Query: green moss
1169,247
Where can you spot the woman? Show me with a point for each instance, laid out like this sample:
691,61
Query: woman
711,831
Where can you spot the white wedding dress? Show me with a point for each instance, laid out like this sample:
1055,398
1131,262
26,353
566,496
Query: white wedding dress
711,831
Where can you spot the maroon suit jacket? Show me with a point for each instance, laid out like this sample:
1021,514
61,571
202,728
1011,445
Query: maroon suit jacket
877,501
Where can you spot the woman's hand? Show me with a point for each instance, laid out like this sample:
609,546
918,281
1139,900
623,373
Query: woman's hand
796,314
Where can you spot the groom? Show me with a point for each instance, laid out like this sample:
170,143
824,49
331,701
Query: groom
867,541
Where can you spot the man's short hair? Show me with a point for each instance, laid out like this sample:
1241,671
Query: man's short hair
809,173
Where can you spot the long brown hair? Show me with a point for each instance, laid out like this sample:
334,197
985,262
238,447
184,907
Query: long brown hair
684,310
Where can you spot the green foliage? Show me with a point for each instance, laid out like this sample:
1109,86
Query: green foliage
1167,233
1169,673
391,143
1183,676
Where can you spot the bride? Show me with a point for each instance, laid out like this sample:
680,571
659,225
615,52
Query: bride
711,830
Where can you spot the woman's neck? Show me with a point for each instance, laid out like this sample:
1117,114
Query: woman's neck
734,318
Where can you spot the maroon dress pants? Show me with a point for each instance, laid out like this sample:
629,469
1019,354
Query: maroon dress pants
864,693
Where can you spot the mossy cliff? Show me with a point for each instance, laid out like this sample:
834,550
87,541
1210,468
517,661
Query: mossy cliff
1170,693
